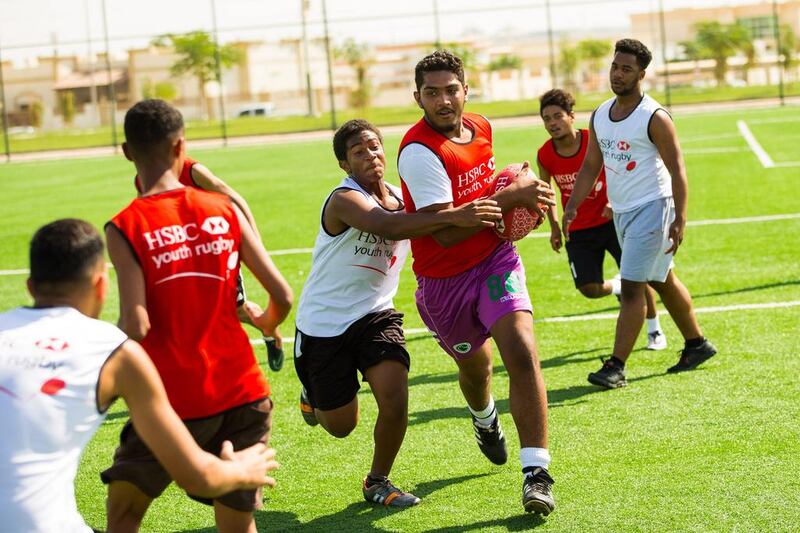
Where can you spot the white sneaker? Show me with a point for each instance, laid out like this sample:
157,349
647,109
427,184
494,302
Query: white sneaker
656,341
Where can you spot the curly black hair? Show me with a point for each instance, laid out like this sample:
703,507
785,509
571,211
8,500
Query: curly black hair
348,130
557,97
636,48
151,122
439,60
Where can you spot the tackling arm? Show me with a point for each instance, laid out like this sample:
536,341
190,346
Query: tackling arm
130,374
351,208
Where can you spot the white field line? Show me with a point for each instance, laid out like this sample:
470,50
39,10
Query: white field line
613,316
725,150
776,120
716,137
538,235
785,164
761,154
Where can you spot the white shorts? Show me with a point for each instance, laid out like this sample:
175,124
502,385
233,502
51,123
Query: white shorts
643,234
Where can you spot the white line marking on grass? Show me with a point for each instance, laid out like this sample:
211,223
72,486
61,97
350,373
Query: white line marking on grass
727,150
613,316
774,120
699,138
742,220
539,235
761,154
788,164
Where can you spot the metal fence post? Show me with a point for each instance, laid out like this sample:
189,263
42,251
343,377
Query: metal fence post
777,31
5,112
218,72
331,93
667,93
111,91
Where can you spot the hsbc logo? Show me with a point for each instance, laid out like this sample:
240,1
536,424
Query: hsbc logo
215,225
623,146
491,164
52,344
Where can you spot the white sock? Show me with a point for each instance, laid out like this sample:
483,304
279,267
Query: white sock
532,458
616,286
485,417
653,325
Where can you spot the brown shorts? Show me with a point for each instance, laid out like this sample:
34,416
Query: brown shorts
243,426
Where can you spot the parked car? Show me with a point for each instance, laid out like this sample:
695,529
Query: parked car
264,109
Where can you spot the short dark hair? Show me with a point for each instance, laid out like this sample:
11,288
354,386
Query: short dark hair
636,48
557,97
151,122
62,255
348,130
439,60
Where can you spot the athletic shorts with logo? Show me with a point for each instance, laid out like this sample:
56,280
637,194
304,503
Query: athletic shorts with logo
328,366
644,236
244,426
460,310
586,251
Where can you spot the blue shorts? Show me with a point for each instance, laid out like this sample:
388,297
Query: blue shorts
644,236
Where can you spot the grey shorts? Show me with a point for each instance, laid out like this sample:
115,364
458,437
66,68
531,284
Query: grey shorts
644,236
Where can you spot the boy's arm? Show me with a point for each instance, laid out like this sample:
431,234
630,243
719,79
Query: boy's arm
258,261
130,374
205,179
133,317
662,132
349,208
525,191
552,213
587,175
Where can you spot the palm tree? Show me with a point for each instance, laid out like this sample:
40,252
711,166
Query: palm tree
568,59
594,51
721,41
197,56
359,57
693,52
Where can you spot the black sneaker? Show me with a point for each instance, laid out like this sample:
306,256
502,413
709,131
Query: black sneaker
537,492
610,375
274,354
491,441
306,409
691,358
387,494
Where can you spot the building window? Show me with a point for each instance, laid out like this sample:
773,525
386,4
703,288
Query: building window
760,27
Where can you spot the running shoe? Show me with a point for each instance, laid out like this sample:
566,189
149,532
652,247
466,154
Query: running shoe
610,375
306,409
691,358
537,492
491,441
656,341
385,493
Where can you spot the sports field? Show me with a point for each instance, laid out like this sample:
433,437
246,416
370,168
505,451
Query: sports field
714,449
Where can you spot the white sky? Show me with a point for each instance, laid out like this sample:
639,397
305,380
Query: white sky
131,23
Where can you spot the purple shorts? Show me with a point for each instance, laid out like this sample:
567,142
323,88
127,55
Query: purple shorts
461,310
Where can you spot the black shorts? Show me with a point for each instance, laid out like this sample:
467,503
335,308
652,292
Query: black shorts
328,366
244,426
241,297
586,249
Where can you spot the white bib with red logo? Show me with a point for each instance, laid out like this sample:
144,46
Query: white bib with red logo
50,361
635,173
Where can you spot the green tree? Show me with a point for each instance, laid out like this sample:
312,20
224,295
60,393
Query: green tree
692,51
67,104
504,62
720,42
36,114
468,56
568,59
789,46
593,51
359,57
196,51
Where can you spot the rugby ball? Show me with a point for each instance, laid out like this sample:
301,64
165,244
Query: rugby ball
518,222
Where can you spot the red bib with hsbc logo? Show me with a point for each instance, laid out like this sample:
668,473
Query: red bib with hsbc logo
470,167
187,243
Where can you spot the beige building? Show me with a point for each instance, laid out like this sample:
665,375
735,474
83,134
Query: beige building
680,26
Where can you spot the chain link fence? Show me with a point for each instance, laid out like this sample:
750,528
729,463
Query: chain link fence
70,69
